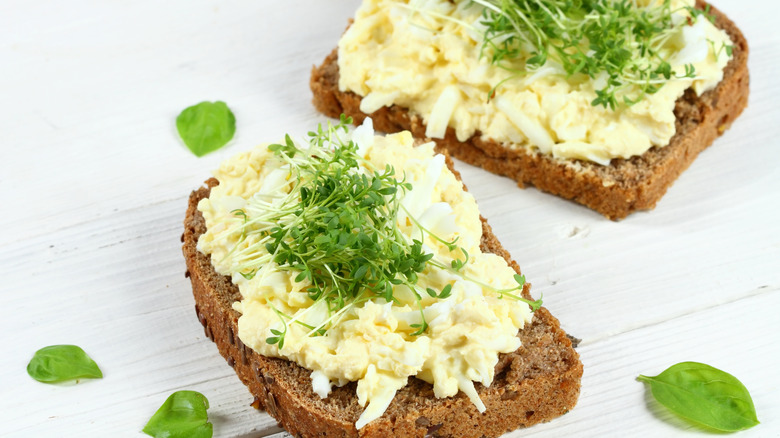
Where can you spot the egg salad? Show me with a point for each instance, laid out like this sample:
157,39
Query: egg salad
358,257
431,56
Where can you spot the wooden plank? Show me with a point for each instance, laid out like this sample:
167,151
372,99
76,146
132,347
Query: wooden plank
93,183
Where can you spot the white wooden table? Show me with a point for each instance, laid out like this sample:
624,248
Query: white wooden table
94,183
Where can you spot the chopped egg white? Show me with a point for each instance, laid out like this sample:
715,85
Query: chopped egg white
372,343
425,55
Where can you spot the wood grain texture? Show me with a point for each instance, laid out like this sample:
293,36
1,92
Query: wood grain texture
94,183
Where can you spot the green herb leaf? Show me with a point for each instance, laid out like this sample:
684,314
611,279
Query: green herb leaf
704,395
60,363
206,127
421,328
446,292
183,415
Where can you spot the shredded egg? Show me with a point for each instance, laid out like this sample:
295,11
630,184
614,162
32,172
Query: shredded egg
425,55
373,342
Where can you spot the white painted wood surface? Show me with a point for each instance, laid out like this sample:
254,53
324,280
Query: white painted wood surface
94,183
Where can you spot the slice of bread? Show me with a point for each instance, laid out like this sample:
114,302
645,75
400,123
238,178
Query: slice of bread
626,185
536,383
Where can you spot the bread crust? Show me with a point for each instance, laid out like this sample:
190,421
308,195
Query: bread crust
536,383
624,186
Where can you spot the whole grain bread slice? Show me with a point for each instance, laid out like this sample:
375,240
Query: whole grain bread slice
626,185
536,383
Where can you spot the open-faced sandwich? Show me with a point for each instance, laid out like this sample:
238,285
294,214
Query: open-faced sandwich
352,284
604,102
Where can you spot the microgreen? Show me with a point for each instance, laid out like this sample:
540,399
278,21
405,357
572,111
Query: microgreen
206,127
60,363
704,395
182,415
609,39
728,48
336,230
458,264
696,13
278,335
446,291
421,327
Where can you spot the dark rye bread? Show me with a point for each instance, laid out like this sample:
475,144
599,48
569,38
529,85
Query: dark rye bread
536,383
626,185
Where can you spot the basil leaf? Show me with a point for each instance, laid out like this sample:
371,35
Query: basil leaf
705,395
183,415
206,127
60,363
